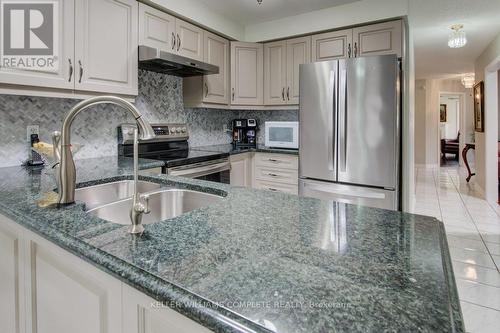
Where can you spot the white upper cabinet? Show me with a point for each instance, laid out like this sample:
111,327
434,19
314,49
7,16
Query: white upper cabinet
62,75
156,28
97,49
378,39
160,30
216,52
332,45
189,40
275,68
247,71
106,46
281,69
298,51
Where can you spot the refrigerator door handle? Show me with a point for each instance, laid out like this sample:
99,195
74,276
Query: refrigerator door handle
342,118
350,192
331,121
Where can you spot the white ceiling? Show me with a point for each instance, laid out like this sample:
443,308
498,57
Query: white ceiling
250,12
430,21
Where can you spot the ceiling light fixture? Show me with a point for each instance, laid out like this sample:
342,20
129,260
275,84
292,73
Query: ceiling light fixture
259,2
468,80
457,37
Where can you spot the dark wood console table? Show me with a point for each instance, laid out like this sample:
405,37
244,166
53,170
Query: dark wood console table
467,147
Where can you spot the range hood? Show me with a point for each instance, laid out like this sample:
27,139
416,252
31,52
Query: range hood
156,60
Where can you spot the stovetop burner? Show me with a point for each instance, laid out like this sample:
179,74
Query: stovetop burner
172,148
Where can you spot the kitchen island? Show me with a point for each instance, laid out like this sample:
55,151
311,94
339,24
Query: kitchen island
257,261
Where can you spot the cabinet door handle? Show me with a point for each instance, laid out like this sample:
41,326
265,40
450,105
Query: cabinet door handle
288,93
70,70
206,89
173,41
356,50
283,94
81,71
349,51
232,94
178,42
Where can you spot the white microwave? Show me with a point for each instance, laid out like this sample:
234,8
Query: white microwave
282,134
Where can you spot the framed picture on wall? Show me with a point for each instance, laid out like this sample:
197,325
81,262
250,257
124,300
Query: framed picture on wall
442,113
479,107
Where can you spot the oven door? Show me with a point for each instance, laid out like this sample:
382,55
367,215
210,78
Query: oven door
215,171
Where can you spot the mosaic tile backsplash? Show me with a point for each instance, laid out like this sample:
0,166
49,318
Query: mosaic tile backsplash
159,99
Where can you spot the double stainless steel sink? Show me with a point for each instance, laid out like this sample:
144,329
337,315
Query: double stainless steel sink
113,201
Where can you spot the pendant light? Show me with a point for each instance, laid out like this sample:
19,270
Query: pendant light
457,37
468,80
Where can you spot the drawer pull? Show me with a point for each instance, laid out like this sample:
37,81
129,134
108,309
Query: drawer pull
272,189
272,175
272,160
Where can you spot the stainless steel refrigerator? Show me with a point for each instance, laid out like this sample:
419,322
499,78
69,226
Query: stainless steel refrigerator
350,131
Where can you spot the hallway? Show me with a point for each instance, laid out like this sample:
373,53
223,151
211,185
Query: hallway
473,232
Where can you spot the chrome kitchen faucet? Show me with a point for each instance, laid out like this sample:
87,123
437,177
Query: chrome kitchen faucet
67,171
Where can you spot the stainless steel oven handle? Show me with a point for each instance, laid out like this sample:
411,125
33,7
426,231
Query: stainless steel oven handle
200,171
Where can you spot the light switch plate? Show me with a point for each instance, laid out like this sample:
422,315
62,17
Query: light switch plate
32,129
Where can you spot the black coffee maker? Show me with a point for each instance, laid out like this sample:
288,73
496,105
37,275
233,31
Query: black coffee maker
245,133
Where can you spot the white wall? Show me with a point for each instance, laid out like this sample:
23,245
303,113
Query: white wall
420,108
201,14
450,128
488,56
325,19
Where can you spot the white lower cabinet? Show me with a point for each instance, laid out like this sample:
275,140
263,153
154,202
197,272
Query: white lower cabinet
45,289
11,280
143,314
276,172
276,187
241,169
265,171
69,295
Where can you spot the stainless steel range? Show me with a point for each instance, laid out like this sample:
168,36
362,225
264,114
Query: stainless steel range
171,146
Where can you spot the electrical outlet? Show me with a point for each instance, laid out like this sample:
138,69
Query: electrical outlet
32,129
224,128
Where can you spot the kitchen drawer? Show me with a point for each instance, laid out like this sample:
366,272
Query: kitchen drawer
276,187
287,176
282,161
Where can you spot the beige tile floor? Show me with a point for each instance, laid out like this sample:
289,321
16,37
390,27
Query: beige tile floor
473,231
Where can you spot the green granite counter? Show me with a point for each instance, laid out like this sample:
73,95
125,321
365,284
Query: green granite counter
259,261
230,149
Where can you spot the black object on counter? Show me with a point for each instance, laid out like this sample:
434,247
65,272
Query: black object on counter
245,133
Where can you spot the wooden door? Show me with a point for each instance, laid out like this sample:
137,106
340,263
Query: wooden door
156,28
378,39
106,46
61,74
189,40
216,52
247,73
275,73
298,51
332,45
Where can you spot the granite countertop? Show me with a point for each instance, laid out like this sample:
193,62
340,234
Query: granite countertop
230,149
259,261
